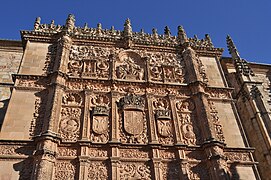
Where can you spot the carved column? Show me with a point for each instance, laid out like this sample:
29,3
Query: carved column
83,163
156,161
115,161
152,128
45,157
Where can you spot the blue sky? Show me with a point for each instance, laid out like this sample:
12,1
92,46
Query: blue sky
247,21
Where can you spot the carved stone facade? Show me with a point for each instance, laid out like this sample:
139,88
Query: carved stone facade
93,103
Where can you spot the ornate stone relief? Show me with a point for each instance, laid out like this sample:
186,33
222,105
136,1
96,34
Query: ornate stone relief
216,122
134,170
70,123
238,156
185,112
38,117
100,118
133,153
133,125
72,99
165,67
163,121
130,66
67,151
50,59
17,150
89,61
167,154
64,170
170,170
98,170
97,87
97,152
218,93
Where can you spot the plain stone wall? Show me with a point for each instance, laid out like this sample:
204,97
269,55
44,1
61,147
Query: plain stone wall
33,62
19,114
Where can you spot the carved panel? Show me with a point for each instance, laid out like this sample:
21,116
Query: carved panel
188,128
133,153
98,170
70,123
65,170
16,150
238,156
89,61
130,66
216,122
134,170
67,151
167,154
97,152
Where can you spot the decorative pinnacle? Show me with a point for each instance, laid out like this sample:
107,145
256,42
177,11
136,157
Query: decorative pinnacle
182,35
37,23
128,28
70,22
241,65
232,48
167,31
154,32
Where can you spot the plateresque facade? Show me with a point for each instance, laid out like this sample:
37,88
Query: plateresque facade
93,103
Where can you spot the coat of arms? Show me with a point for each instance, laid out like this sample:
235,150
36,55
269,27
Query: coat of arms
133,122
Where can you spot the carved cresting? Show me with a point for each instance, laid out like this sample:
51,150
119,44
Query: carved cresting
133,119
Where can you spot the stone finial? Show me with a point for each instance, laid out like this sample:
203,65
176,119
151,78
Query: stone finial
240,64
70,22
37,23
167,31
128,28
182,35
85,26
208,38
154,32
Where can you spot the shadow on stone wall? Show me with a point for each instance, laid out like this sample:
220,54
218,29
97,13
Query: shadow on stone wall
25,166
3,109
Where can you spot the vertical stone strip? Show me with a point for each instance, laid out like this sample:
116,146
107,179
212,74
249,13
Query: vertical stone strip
114,117
175,119
152,129
86,117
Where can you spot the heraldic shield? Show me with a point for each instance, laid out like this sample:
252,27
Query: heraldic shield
100,124
133,122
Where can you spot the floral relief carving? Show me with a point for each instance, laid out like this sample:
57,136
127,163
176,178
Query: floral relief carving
238,156
74,99
98,170
70,123
64,170
134,171
67,151
38,116
97,152
167,154
133,123
133,153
